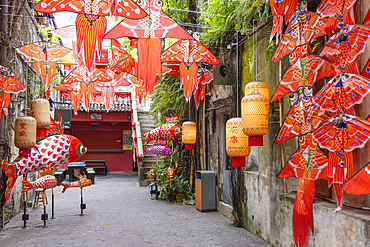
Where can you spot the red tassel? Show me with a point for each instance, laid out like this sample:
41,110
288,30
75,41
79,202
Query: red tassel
302,210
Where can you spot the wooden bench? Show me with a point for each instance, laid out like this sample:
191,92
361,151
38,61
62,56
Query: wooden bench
60,175
104,167
90,173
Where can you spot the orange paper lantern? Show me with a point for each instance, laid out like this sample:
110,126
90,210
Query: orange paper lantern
257,87
236,142
255,108
40,110
189,134
25,135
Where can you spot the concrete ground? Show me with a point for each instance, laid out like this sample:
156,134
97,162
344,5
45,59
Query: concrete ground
120,213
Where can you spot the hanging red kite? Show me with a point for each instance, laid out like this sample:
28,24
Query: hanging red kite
188,53
86,82
344,46
304,70
367,18
108,88
279,8
342,92
91,23
307,164
9,83
304,26
45,55
303,117
204,77
121,60
149,31
359,184
73,91
125,8
341,135
366,71
339,11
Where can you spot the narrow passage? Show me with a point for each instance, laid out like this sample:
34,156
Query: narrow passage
120,213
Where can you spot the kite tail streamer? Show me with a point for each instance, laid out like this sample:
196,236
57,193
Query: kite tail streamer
278,22
302,210
149,65
90,33
87,93
188,77
4,102
75,100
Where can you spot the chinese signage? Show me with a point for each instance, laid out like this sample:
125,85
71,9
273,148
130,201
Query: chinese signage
96,116
127,140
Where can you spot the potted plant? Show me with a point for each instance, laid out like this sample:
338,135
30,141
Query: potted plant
180,187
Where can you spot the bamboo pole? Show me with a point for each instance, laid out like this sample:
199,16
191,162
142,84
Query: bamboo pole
204,135
281,121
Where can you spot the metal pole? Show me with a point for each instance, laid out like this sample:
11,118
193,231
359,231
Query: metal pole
82,206
237,73
52,203
25,216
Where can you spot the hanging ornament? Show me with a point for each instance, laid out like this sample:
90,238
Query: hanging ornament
236,142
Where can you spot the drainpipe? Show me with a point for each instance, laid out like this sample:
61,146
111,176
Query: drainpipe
137,125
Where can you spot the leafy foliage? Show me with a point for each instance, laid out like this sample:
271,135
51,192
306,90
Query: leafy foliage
168,98
231,15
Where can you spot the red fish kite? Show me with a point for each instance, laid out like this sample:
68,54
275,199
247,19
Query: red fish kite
359,184
91,23
9,83
86,82
45,55
304,26
340,13
279,8
121,60
342,92
341,135
304,70
343,47
189,53
204,77
303,117
149,31
307,164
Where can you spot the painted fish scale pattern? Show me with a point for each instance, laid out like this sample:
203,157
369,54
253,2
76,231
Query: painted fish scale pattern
52,152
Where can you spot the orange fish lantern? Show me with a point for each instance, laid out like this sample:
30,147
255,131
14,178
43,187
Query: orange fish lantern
236,142
189,134
40,110
255,109
25,135
170,173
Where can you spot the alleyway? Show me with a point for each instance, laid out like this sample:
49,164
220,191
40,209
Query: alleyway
120,213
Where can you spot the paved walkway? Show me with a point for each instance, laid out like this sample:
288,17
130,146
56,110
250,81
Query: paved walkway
120,213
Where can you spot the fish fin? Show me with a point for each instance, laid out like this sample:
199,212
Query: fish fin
45,172
11,173
65,186
27,186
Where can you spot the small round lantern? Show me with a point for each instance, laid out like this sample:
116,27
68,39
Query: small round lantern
25,135
257,87
255,109
189,134
40,110
170,173
236,142
151,174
